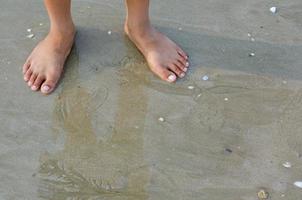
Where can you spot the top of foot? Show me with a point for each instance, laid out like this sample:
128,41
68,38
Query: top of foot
43,68
165,58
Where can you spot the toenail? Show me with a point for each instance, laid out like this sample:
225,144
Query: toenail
34,87
182,75
29,83
185,69
25,79
172,78
187,64
45,88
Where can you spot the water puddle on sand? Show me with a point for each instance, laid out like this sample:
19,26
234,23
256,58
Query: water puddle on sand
89,168
223,137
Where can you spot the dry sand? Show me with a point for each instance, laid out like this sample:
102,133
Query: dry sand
98,136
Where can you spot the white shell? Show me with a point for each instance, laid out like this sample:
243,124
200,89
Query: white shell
273,9
161,119
191,87
29,30
287,165
252,54
109,32
226,99
30,36
298,184
205,78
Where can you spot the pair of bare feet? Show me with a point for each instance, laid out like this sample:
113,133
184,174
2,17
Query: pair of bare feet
44,66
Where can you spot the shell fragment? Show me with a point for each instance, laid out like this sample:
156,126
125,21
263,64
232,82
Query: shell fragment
205,78
298,184
30,36
287,165
273,9
161,119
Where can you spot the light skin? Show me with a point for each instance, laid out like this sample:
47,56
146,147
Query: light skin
44,66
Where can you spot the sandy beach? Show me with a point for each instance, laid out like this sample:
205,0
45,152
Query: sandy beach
113,130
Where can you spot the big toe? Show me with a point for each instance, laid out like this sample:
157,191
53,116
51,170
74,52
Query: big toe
165,74
49,85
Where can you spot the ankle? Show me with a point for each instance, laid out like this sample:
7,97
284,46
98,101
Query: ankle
63,31
137,27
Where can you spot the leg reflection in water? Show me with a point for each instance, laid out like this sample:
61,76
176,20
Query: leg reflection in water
90,169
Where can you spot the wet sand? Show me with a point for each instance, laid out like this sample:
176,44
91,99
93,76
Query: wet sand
98,136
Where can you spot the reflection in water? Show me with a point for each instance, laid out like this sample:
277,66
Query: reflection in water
90,169
207,148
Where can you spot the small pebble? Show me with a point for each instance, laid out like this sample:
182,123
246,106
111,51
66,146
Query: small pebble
226,99
41,24
30,36
262,194
249,35
252,54
29,30
273,9
161,119
191,87
109,32
205,78
287,165
298,184
228,150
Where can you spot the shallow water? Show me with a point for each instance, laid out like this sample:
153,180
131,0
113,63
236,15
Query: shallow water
99,135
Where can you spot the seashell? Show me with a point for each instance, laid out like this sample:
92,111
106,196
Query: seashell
298,184
262,194
161,119
273,9
287,165
205,78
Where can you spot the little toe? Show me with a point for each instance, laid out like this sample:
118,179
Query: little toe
27,75
25,67
182,53
37,84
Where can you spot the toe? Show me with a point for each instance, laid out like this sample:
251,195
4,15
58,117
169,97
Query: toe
174,68
164,74
27,75
182,53
181,66
26,67
49,85
37,83
183,61
32,79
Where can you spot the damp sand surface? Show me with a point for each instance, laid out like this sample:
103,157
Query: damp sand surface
231,130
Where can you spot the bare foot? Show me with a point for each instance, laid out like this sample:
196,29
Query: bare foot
166,59
44,66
